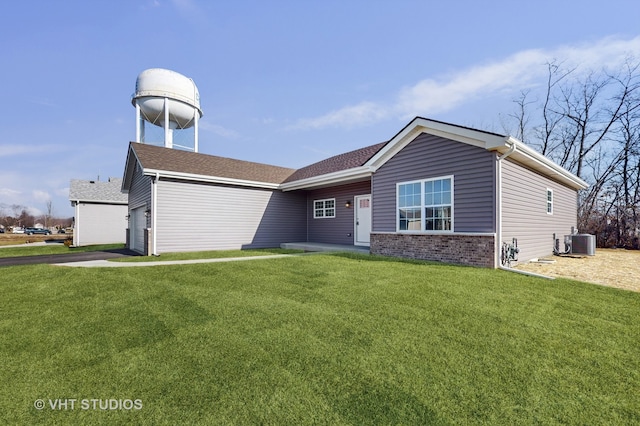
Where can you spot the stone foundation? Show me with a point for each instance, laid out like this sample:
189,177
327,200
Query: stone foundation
462,249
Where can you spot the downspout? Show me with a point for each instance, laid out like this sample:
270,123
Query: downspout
76,228
498,245
154,204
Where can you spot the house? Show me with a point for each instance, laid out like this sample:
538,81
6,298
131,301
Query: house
435,191
100,211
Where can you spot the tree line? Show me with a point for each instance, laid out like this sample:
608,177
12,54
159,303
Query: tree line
18,215
589,123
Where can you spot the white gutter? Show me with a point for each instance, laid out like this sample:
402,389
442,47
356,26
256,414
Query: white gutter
361,172
210,179
498,245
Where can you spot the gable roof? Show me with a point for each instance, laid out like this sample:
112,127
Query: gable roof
98,192
209,168
503,145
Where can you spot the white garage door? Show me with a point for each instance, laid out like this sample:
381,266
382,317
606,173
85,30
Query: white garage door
138,224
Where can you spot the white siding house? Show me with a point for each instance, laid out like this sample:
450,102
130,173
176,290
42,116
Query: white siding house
100,211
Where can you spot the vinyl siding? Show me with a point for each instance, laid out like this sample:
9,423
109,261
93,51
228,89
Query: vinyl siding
524,210
195,217
101,224
340,229
429,156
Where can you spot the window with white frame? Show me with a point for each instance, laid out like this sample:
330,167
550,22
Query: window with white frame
425,205
324,208
549,201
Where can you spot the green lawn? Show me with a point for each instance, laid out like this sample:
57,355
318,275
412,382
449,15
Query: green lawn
53,248
324,339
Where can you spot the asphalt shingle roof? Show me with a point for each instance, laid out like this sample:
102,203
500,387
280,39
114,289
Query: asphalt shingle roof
97,191
337,163
161,158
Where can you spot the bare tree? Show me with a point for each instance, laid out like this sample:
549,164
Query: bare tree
49,215
591,126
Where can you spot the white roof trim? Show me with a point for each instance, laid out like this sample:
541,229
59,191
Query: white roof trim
210,179
533,159
340,177
115,203
422,125
488,141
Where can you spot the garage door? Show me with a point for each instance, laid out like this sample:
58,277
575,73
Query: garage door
139,223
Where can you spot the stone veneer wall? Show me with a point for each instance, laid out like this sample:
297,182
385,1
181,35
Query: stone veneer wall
462,249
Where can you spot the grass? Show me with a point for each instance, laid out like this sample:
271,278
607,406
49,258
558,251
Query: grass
325,339
53,248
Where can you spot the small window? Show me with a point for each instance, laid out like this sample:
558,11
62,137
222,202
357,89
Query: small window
324,208
549,201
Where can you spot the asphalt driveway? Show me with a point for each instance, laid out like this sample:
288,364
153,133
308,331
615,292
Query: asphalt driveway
63,258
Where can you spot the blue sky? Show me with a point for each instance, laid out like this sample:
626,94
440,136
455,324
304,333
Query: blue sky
281,82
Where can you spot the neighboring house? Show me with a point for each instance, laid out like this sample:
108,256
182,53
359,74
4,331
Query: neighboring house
100,211
435,191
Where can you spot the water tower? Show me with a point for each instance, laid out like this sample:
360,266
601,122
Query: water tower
168,100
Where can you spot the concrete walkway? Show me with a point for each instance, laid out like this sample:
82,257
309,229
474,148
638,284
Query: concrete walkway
107,264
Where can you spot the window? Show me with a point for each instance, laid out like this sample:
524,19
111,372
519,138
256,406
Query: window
425,205
324,208
549,201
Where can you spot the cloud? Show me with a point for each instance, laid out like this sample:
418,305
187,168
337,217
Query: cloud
218,130
9,193
361,114
509,75
41,196
10,150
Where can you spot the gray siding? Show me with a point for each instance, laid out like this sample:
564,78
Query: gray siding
337,230
100,224
194,217
429,156
524,210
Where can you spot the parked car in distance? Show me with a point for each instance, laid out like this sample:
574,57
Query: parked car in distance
17,230
61,231
1,230
31,231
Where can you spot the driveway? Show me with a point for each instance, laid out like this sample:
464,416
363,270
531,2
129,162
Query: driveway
63,258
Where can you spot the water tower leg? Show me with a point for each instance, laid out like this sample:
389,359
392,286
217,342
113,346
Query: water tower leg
168,133
138,123
195,130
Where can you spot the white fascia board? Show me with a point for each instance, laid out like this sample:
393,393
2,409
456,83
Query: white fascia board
110,202
342,176
210,179
422,125
126,178
539,162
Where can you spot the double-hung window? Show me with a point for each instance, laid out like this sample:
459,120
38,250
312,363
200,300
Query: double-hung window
549,201
425,205
324,208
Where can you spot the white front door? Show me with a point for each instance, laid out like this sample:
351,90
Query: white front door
362,220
